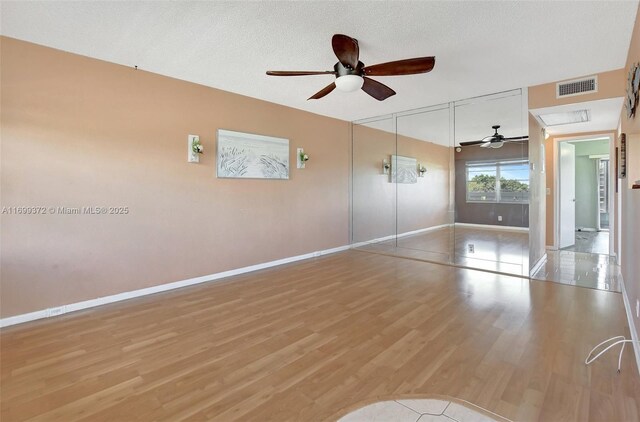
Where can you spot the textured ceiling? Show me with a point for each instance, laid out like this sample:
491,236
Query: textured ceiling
480,47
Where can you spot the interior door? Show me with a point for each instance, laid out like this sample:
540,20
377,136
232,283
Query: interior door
567,194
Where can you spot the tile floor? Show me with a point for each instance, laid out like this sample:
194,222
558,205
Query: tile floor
591,242
420,410
581,269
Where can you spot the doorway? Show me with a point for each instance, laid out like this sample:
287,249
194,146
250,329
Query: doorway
583,195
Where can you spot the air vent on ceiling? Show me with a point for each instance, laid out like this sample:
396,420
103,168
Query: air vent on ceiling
577,87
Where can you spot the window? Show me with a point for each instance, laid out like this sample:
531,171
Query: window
483,186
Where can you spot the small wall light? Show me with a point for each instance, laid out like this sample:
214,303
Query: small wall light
385,166
302,158
195,148
421,170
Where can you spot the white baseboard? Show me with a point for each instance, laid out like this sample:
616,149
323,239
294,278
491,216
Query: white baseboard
59,310
632,326
539,264
492,227
393,236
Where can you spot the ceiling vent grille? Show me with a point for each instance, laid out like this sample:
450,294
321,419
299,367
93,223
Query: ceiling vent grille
577,87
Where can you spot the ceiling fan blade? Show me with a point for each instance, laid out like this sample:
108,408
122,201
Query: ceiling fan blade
402,67
470,143
299,73
324,91
346,49
377,90
515,138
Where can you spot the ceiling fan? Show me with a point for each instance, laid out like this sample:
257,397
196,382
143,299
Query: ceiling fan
351,74
493,141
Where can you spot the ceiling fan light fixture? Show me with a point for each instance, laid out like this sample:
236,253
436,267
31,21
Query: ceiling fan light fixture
497,144
349,83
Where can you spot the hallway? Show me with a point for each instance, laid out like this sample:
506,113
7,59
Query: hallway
591,242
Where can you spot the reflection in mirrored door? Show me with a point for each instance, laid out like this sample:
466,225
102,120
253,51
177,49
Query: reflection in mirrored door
424,211
492,184
418,193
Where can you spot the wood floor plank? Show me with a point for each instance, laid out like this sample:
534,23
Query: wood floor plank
312,340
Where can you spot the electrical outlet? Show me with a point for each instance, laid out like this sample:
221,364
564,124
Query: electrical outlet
548,191
499,218
637,308
471,248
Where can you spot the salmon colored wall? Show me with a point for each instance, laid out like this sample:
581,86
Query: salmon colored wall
426,203
630,198
608,87
420,205
82,132
631,125
374,197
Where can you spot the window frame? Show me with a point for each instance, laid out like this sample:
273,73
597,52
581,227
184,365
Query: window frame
498,189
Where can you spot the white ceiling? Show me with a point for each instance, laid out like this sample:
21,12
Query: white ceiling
480,47
604,115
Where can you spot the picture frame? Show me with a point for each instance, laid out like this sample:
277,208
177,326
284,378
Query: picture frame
622,158
404,169
242,155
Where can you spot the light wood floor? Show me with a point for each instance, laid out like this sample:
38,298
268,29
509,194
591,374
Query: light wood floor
313,340
502,251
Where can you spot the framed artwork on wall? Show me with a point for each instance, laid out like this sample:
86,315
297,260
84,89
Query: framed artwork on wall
404,169
249,156
622,158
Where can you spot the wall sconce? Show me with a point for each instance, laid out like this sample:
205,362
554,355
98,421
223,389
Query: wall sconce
421,170
195,148
385,166
302,158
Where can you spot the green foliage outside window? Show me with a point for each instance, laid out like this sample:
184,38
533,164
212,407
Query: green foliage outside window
487,183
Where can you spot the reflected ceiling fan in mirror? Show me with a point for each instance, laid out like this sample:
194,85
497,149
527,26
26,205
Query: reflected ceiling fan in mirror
351,74
494,141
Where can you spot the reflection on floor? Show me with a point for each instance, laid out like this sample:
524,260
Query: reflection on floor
490,249
504,251
591,242
581,269
420,410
